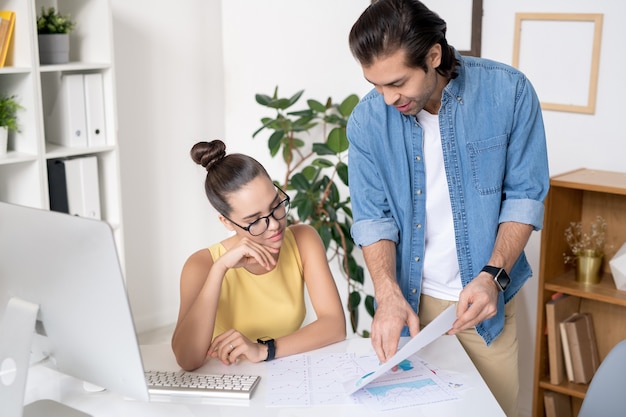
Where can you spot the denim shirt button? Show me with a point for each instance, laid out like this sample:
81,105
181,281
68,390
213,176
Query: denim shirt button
418,192
418,158
419,226
417,259
414,290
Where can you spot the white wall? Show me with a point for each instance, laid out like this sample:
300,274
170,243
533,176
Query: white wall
170,95
197,80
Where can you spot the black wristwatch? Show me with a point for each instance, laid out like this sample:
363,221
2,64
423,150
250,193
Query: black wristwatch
271,347
499,276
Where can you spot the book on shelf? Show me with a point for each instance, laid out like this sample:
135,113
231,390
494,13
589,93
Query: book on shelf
557,404
581,348
7,25
560,307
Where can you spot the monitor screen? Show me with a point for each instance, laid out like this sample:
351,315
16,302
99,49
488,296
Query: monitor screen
65,271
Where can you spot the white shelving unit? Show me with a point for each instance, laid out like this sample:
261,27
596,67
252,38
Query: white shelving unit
23,171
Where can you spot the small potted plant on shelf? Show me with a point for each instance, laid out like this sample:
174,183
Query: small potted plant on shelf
53,31
586,249
8,120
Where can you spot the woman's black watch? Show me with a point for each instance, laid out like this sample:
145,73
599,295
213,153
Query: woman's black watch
271,347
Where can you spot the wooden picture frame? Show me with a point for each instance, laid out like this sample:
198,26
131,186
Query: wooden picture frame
477,29
572,48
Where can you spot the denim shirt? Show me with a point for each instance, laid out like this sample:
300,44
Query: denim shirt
495,157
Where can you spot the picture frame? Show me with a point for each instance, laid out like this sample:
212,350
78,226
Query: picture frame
575,42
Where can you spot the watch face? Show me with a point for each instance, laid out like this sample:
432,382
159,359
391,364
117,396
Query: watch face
503,280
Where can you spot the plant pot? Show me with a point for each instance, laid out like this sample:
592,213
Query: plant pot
54,48
588,266
4,140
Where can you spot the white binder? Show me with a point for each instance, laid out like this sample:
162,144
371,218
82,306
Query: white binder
94,110
66,123
83,191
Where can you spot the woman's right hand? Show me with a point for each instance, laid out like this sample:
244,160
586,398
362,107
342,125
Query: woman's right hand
248,252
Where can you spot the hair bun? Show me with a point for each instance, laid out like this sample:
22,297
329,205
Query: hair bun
208,154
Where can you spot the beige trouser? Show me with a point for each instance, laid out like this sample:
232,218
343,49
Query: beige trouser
497,363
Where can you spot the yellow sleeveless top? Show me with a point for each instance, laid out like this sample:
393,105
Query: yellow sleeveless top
268,305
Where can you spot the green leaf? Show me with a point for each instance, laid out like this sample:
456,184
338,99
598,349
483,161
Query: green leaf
324,232
338,140
322,149
299,182
274,141
295,98
263,99
369,305
342,172
305,210
322,163
316,106
346,106
309,172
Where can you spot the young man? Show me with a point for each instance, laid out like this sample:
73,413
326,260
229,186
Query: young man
448,173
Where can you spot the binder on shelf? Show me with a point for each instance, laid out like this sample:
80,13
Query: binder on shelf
7,26
65,124
558,309
94,109
557,404
74,187
583,347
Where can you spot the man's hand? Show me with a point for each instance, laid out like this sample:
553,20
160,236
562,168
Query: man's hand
477,302
392,313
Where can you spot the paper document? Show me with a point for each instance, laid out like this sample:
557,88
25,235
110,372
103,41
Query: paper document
428,334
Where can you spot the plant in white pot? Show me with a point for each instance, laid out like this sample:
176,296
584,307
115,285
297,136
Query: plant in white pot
53,31
8,120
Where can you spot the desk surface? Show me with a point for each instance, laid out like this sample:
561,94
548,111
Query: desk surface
445,353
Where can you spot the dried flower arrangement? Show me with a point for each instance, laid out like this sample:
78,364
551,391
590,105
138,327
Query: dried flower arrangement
581,242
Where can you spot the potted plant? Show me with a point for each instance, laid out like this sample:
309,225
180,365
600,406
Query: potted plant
8,120
586,249
313,172
53,31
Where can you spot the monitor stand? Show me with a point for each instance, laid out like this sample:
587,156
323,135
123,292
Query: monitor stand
16,335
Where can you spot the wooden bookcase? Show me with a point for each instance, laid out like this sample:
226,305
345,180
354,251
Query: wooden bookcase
580,195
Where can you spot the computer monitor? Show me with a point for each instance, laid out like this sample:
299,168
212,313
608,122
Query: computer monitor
62,293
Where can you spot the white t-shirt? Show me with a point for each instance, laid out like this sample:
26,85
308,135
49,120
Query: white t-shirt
441,276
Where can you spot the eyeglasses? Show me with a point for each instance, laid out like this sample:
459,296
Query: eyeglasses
260,225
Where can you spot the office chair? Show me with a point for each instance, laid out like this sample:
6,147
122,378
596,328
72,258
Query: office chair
605,395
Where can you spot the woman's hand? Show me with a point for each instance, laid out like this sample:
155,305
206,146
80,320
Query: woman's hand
232,345
248,252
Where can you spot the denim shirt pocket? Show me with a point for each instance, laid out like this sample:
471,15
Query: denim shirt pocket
488,161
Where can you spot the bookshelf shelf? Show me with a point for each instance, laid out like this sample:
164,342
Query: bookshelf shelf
24,169
579,196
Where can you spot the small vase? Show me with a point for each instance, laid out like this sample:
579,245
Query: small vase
54,48
588,266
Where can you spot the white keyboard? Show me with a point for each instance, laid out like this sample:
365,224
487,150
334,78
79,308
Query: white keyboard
190,384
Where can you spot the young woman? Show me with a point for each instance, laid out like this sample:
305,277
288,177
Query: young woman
244,296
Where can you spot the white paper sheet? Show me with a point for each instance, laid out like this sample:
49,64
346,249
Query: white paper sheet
428,334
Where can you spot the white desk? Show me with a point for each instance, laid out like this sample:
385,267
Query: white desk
445,353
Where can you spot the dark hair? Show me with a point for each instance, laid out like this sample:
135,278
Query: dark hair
388,25
225,173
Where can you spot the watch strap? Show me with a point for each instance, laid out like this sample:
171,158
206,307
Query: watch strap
271,348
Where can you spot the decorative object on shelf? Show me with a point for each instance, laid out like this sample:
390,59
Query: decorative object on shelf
7,25
313,175
587,249
53,31
8,120
618,268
